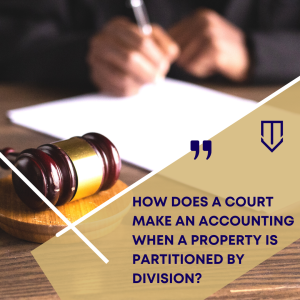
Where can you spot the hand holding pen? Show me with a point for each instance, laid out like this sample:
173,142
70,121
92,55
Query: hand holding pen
125,56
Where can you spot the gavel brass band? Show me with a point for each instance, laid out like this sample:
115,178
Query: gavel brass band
88,166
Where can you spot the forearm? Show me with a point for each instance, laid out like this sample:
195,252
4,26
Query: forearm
275,56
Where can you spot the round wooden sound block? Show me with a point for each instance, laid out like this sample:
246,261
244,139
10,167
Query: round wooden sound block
22,222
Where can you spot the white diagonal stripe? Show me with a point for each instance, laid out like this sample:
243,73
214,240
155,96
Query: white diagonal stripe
39,194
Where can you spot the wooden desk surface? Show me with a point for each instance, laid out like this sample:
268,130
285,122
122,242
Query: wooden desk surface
22,278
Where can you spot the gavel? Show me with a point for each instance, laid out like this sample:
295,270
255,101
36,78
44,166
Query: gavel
65,171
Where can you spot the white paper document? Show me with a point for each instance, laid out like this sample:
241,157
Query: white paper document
151,129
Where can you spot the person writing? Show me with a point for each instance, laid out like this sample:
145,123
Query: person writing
82,42
122,59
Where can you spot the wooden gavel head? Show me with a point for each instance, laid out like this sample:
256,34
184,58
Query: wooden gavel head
65,171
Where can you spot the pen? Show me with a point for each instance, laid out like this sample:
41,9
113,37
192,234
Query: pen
143,22
141,15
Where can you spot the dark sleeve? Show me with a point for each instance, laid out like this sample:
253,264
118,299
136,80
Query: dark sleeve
275,56
55,60
41,45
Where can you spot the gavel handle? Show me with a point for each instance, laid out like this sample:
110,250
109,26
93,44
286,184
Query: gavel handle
11,155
